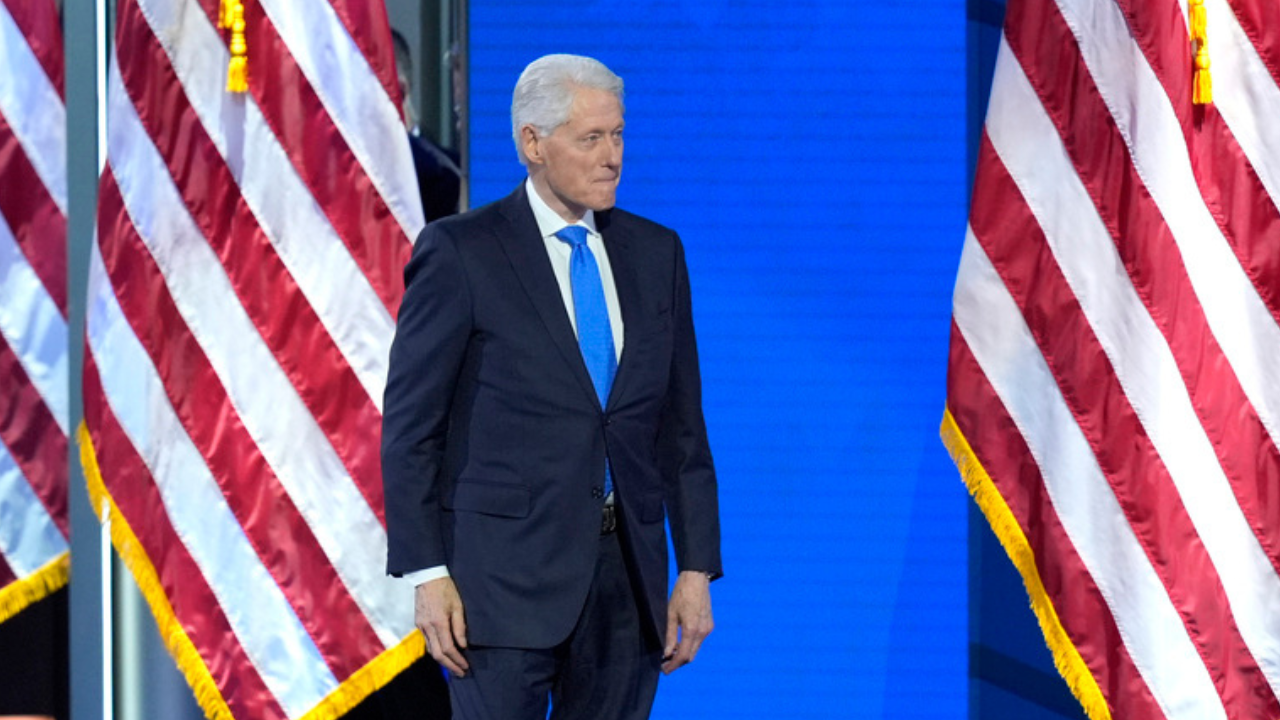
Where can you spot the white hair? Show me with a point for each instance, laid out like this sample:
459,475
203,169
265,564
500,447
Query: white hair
544,92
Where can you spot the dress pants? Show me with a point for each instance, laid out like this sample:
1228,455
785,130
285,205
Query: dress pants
607,669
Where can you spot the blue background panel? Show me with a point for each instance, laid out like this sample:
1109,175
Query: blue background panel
812,156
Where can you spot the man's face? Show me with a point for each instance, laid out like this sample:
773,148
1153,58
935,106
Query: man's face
577,167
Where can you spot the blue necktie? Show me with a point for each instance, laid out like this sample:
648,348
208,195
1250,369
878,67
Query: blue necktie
595,336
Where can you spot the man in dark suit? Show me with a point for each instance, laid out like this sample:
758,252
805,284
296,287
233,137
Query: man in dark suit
542,417
439,180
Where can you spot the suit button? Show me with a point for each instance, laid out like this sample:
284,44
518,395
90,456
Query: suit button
597,493
608,420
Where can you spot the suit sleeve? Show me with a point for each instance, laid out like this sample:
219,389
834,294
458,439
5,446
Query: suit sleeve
430,342
684,453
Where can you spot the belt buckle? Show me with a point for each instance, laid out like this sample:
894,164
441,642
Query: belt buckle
609,520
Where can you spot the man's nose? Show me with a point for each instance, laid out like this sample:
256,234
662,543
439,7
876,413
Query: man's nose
613,153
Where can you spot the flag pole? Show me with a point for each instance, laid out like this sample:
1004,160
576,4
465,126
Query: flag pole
108,625
85,48
101,29
104,558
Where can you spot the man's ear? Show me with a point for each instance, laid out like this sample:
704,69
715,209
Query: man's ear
530,145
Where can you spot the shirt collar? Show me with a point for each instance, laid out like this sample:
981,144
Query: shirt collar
550,222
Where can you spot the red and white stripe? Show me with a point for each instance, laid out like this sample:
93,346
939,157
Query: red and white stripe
33,305
1114,387
242,293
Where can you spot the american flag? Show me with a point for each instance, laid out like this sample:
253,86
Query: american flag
241,300
33,306
1113,394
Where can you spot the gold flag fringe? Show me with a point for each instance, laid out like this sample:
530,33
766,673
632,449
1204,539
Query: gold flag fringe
1065,654
25,592
374,675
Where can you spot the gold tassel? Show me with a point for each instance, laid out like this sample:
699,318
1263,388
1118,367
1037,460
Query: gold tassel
1202,93
1198,20
1202,82
238,67
224,14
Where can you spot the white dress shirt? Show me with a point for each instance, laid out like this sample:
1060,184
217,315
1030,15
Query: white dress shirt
559,251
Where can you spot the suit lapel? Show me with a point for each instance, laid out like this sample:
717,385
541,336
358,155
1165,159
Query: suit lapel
522,242
618,245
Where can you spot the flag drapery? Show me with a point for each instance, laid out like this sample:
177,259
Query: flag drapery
33,306
241,298
1113,396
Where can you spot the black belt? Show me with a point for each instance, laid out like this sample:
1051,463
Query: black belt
609,520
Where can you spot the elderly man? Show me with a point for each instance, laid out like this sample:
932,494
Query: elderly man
543,417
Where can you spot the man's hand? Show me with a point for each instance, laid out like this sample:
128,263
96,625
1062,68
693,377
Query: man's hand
437,610
688,619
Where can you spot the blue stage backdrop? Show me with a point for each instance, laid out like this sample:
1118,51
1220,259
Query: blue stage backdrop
812,156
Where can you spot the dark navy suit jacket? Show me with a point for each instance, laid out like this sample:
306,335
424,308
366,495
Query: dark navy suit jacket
494,442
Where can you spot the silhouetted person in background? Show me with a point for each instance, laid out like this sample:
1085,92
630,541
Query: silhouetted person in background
439,179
